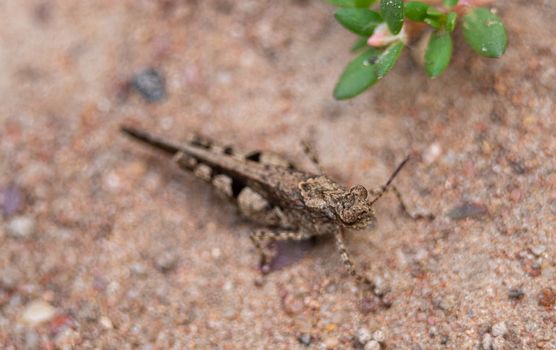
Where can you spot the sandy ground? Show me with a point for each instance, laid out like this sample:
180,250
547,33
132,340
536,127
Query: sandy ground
104,244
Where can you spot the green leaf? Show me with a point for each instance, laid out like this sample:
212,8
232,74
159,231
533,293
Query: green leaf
359,21
451,21
438,54
450,3
365,70
485,33
433,22
392,11
388,58
434,13
415,10
351,3
358,76
360,43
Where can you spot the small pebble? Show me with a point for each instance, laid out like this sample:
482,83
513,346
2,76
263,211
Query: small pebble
215,253
387,301
331,343
381,287
372,345
67,339
444,339
151,84
106,322
166,261
21,227
37,312
487,341
432,153
379,336
134,170
498,343
448,302
228,286
363,335
547,297
305,339
138,269
292,304
259,281
538,250
467,210
499,329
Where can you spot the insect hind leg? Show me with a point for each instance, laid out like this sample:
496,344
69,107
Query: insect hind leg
310,152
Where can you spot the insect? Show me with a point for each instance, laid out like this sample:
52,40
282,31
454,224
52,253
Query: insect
285,202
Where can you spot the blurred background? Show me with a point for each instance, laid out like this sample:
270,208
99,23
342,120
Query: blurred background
104,244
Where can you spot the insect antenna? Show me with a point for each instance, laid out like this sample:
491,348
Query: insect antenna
386,186
149,139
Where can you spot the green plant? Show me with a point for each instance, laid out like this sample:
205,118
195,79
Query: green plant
385,29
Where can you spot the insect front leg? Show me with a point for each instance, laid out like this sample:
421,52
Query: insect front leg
348,263
262,238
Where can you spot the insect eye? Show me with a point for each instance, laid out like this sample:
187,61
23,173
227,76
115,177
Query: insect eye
359,191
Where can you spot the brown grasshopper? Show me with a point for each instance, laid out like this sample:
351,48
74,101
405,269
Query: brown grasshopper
287,203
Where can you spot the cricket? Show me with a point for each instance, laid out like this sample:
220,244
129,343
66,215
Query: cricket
284,202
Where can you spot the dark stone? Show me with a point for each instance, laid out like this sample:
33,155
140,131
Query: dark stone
151,84
516,294
305,339
517,167
467,210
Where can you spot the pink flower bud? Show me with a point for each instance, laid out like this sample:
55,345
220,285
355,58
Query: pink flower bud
382,36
